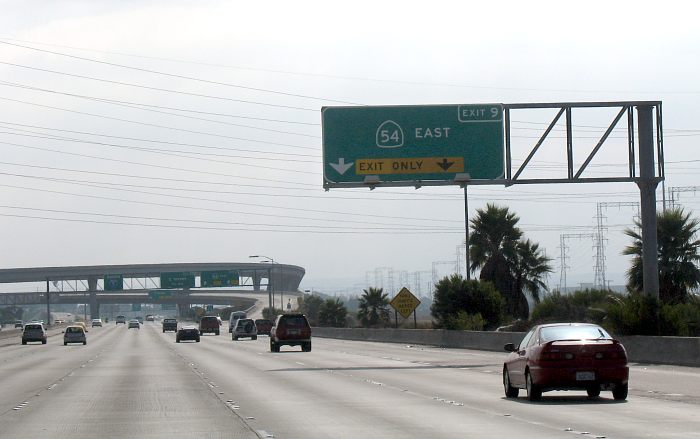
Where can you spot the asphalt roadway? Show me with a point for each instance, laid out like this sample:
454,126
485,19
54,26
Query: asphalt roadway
128,383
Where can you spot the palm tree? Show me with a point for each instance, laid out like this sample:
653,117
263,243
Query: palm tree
514,266
677,253
531,266
333,313
492,248
374,308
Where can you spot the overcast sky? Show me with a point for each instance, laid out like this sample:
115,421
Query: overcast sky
172,131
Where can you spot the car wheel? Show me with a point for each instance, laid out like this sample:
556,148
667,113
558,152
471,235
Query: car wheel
65,343
24,342
593,392
533,391
177,340
255,337
84,343
511,392
216,333
43,341
274,347
620,392
306,347
233,337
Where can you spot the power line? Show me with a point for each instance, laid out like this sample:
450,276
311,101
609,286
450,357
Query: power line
173,75
126,84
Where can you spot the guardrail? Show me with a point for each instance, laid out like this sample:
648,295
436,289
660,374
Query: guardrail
681,351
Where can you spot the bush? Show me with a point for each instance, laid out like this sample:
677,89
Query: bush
580,306
456,294
465,322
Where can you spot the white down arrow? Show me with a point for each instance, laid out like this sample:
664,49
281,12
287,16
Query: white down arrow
341,166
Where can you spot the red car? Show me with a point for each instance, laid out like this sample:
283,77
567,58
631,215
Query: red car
566,356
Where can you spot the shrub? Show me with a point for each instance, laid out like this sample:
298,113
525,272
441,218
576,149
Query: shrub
454,294
465,322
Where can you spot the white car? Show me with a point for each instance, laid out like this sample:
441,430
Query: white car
96,322
74,334
133,323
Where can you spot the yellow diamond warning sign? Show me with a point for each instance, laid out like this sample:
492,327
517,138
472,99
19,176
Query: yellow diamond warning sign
405,302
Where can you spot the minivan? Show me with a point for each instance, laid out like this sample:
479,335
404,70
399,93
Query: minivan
235,316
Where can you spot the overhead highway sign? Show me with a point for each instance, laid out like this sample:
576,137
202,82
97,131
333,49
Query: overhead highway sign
393,145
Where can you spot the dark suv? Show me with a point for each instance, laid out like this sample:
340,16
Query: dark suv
169,325
209,324
290,330
34,332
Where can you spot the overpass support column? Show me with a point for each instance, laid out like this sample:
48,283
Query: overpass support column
182,309
94,305
257,279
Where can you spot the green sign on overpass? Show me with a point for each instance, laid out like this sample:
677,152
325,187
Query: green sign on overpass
113,282
417,144
177,280
223,278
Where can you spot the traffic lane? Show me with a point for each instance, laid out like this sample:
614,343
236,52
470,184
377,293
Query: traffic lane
476,387
26,370
603,415
657,381
136,388
288,395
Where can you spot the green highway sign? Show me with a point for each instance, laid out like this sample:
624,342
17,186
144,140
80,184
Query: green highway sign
223,278
113,282
159,294
419,144
177,280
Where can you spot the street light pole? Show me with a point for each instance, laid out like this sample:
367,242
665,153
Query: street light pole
270,293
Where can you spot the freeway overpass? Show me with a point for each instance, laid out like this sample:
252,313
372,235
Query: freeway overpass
143,283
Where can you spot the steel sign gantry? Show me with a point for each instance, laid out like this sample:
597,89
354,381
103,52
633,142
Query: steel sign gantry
402,146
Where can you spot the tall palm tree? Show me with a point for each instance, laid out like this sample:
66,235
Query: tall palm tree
677,253
374,308
530,269
492,248
514,266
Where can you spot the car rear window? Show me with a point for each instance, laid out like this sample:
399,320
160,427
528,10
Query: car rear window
294,321
572,333
74,329
32,327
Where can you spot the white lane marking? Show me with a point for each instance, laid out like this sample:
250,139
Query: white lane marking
299,363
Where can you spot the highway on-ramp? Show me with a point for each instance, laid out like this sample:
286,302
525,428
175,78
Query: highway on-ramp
140,383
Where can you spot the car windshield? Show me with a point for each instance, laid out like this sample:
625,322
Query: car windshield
32,327
574,332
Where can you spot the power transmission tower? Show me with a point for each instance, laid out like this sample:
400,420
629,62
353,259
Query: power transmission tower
563,247
673,193
460,251
601,230
438,263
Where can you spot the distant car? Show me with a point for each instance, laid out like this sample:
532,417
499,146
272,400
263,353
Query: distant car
264,326
133,323
244,328
96,322
169,325
187,333
74,334
291,330
566,356
81,324
120,319
34,332
150,318
235,315
209,324
19,324
58,322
